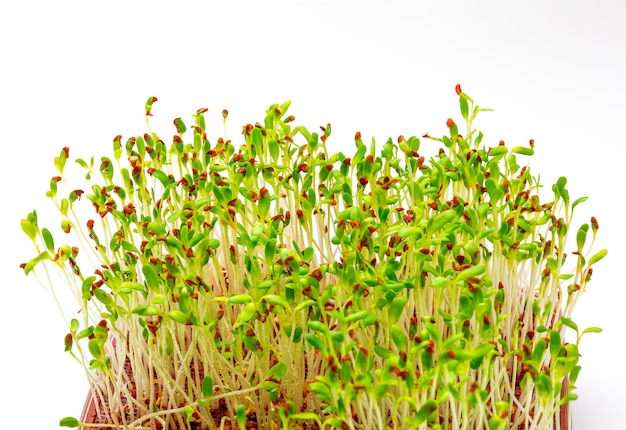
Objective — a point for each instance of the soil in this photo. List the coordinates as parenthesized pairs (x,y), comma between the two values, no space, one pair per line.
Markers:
(93,413)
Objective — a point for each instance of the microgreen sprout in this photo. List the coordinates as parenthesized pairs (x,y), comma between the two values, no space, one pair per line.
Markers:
(277,284)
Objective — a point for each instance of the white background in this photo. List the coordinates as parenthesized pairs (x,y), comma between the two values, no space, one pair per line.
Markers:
(77,73)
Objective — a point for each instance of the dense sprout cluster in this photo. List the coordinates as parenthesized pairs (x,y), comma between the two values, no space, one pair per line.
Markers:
(275,284)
